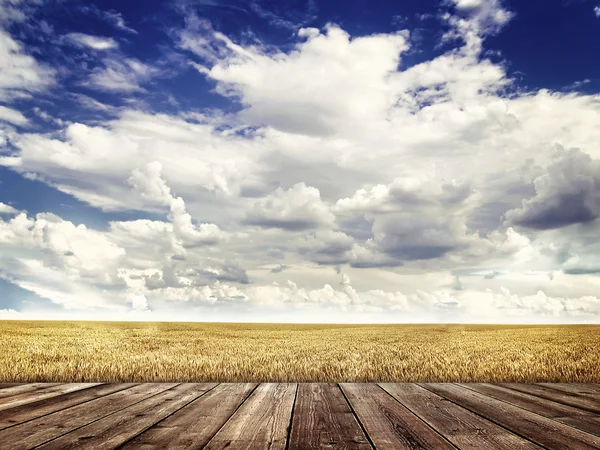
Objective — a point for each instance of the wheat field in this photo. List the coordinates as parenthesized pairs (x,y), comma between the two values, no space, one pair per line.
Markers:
(144,352)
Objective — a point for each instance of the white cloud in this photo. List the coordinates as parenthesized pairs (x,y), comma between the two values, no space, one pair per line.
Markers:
(347,81)
(20,74)
(12,116)
(120,74)
(341,157)
(93,42)
(7,209)
(298,208)
(597,11)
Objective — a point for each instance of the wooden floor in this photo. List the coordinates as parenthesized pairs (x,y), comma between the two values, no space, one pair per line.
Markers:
(299,416)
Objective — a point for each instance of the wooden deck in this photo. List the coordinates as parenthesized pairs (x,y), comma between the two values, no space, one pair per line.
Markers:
(299,416)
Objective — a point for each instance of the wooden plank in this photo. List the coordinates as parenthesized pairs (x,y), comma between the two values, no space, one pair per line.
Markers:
(463,428)
(389,424)
(567,398)
(262,422)
(578,418)
(194,425)
(323,419)
(118,428)
(14,416)
(40,394)
(592,390)
(40,430)
(9,385)
(24,388)
(544,431)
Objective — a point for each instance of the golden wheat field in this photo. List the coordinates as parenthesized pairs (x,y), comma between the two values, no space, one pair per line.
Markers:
(137,352)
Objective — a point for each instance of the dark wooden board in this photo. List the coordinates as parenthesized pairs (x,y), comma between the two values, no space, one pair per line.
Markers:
(544,431)
(463,428)
(567,398)
(262,422)
(194,425)
(389,424)
(116,429)
(19,414)
(323,419)
(43,429)
(578,418)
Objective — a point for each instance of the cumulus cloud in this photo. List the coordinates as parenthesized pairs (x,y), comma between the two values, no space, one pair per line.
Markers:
(567,193)
(342,162)
(274,90)
(297,208)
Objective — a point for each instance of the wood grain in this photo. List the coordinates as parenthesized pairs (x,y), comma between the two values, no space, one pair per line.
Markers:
(262,422)
(46,428)
(323,419)
(194,425)
(33,410)
(41,394)
(9,391)
(567,398)
(544,431)
(389,424)
(114,430)
(575,417)
(463,428)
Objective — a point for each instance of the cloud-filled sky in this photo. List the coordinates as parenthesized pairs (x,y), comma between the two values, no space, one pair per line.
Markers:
(300,161)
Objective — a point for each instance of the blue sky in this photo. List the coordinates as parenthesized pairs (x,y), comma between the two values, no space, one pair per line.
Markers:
(300,160)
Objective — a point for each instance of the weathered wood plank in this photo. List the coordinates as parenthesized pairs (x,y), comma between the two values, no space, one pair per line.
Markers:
(118,428)
(323,419)
(19,414)
(41,394)
(262,422)
(592,390)
(575,417)
(9,385)
(24,388)
(463,428)
(46,428)
(567,398)
(544,431)
(389,424)
(194,425)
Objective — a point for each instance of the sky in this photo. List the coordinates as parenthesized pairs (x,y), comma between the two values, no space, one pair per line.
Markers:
(300,160)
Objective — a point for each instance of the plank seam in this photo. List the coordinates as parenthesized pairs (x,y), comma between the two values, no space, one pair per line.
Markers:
(486,418)
(533,412)
(121,445)
(66,407)
(360,424)
(583,408)
(289,431)
(427,424)
(233,414)
(103,417)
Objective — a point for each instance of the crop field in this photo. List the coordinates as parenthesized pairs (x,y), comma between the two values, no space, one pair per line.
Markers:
(145,352)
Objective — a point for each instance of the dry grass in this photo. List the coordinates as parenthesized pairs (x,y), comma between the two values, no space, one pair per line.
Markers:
(136,352)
